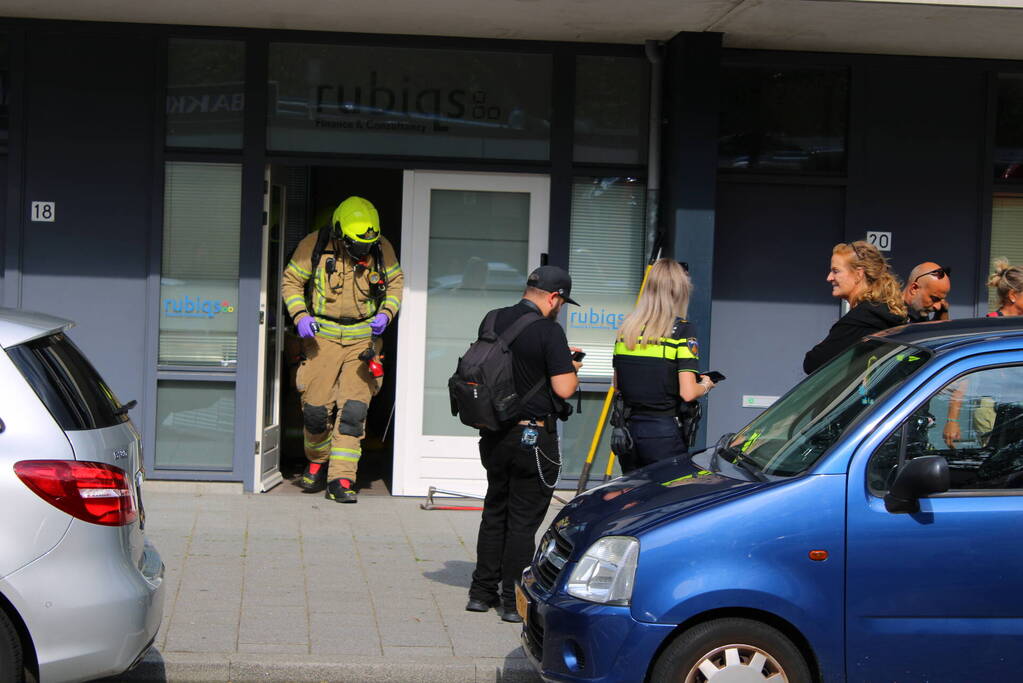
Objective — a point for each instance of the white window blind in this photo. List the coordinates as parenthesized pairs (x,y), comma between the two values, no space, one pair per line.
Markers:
(202,220)
(199,275)
(606,262)
(1006,236)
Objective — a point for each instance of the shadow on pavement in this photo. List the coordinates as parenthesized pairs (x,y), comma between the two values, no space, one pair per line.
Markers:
(150,670)
(455,573)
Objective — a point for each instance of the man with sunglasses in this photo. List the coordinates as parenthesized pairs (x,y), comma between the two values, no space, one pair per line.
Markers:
(926,292)
(342,287)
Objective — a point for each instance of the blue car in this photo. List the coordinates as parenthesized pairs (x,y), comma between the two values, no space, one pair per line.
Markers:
(866,527)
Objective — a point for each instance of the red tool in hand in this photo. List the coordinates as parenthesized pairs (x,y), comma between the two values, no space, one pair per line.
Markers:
(370,356)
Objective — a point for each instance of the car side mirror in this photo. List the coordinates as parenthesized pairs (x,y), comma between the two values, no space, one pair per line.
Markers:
(917,478)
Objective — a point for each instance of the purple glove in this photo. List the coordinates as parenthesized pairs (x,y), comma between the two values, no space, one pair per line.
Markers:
(306,327)
(378,324)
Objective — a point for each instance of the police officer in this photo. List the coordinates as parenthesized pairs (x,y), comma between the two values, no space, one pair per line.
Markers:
(342,288)
(656,366)
(523,460)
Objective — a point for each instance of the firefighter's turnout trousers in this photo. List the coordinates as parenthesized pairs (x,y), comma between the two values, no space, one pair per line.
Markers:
(336,388)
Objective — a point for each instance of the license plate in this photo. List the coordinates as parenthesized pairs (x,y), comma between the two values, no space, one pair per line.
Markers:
(521,603)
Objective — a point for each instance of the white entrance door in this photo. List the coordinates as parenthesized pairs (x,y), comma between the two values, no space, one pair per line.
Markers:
(469,240)
(271,331)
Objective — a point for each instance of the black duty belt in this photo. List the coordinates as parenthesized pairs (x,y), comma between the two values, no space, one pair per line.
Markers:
(664,412)
(344,321)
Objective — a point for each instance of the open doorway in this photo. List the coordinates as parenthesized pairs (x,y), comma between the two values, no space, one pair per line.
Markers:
(312,194)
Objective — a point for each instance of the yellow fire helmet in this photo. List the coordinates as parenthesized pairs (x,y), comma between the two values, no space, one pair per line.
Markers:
(356,221)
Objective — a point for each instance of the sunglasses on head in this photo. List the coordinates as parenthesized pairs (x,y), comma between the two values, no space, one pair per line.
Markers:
(937,272)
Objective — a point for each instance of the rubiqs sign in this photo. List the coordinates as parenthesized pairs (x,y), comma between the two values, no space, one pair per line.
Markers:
(439,106)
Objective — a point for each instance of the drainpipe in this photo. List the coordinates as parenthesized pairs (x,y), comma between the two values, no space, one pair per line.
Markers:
(653,182)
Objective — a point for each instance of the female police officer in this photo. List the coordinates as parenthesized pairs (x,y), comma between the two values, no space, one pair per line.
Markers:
(656,366)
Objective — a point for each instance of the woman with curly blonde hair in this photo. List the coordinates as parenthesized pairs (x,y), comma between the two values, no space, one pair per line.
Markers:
(1008,282)
(860,275)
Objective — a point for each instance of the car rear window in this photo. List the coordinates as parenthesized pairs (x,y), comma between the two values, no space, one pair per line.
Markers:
(67,384)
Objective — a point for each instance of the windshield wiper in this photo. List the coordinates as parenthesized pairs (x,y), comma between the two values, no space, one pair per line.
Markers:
(725,438)
(749,465)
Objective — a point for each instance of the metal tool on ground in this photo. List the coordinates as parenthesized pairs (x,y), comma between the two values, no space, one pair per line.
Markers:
(431,505)
(584,476)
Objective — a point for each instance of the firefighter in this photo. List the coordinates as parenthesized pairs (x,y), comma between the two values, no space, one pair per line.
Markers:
(342,288)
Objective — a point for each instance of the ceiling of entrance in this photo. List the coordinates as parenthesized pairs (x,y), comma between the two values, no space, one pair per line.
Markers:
(961,28)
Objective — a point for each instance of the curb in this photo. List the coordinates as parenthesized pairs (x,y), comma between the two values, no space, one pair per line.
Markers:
(188,667)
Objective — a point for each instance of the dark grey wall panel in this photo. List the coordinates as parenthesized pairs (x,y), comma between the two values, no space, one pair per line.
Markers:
(771,301)
(89,149)
(916,165)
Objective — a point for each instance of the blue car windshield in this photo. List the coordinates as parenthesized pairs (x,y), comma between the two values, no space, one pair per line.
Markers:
(795,432)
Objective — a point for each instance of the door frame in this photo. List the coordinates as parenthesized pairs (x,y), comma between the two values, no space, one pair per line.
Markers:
(268,437)
(459,454)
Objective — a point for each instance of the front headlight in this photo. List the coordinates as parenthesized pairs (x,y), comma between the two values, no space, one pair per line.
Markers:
(606,571)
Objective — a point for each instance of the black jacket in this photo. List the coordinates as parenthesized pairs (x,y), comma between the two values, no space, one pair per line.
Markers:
(867,318)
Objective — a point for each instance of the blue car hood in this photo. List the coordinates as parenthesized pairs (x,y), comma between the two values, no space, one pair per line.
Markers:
(645,498)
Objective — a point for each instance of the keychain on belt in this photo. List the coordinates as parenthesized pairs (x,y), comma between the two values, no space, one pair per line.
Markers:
(530,434)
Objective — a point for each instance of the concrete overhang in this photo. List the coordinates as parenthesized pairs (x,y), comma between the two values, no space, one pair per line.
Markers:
(953,28)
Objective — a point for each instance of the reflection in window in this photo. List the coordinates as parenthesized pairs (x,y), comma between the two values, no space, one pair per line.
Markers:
(606,262)
(205,93)
(577,433)
(975,423)
(783,119)
(1008,153)
(420,102)
(478,261)
(611,104)
(199,274)
(195,425)
(5,91)
(1006,237)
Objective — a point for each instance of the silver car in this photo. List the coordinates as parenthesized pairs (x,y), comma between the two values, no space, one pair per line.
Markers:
(81,590)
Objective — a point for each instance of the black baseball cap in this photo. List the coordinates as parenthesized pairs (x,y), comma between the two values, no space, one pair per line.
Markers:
(552,279)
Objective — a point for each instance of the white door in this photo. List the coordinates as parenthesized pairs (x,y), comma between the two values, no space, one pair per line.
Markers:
(469,240)
(271,334)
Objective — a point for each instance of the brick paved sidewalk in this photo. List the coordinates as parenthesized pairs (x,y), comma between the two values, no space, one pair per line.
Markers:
(286,586)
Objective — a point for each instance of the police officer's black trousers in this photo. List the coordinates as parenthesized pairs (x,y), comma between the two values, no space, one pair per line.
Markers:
(513,510)
(656,437)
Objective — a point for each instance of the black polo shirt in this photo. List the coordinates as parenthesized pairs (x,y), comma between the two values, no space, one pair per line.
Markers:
(540,351)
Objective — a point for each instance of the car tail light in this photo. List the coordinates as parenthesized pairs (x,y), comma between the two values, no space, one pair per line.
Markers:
(91,491)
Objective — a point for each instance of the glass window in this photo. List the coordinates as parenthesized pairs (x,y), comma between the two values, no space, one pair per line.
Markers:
(5,91)
(783,119)
(194,425)
(612,101)
(67,384)
(577,434)
(790,436)
(199,275)
(975,422)
(205,93)
(412,102)
(606,262)
(1006,236)
(478,261)
(1008,154)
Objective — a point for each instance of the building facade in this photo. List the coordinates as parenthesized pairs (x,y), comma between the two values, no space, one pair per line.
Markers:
(158,177)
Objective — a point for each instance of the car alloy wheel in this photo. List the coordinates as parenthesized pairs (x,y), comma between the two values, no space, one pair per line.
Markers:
(731,650)
(736,664)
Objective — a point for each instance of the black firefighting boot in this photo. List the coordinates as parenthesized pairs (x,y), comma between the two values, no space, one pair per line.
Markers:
(340,491)
(314,478)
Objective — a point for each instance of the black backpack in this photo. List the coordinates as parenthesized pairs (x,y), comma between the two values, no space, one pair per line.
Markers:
(482,390)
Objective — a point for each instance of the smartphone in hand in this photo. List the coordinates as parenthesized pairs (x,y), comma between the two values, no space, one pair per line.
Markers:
(578,356)
(715,376)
